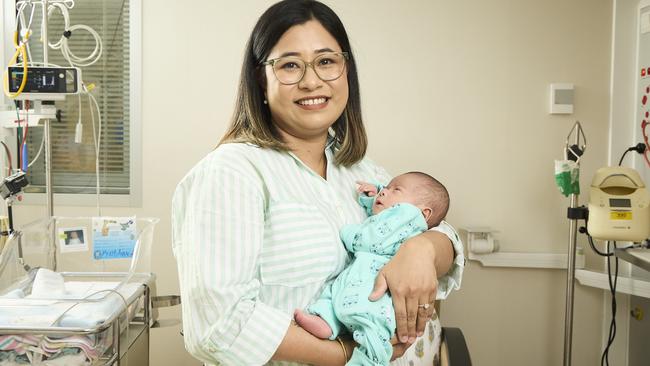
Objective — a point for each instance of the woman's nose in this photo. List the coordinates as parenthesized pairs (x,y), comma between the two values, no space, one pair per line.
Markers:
(310,80)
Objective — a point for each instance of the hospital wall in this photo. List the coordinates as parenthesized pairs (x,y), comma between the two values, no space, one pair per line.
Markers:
(458,89)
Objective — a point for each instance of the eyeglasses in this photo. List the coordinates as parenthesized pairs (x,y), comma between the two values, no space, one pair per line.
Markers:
(290,69)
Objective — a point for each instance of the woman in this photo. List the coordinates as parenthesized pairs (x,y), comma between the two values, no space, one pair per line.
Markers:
(255,223)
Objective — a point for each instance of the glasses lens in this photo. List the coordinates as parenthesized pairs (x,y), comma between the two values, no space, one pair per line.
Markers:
(289,70)
(329,66)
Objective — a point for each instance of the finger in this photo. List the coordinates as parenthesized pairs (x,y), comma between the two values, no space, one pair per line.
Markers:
(423,316)
(400,318)
(380,287)
(411,315)
(394,340)
(399,350)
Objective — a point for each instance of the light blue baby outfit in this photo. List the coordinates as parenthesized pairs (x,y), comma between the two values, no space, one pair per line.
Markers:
(344,302)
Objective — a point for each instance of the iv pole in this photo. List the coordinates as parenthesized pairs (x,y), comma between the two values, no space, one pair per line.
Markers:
(46,128)
(572,152)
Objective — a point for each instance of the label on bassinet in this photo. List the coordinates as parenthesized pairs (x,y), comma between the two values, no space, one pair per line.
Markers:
(113,237)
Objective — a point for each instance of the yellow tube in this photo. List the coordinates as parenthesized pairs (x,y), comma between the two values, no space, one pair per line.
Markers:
(22,51)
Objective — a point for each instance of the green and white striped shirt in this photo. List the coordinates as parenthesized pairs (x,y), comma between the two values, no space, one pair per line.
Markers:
(256,236)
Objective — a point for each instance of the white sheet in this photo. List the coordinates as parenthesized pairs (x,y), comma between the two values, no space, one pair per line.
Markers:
(40,312)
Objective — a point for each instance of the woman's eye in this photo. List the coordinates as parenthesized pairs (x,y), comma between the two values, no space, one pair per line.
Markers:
(289,65)
(326,61)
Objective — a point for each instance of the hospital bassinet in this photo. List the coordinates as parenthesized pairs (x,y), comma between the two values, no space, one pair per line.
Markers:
(99,315)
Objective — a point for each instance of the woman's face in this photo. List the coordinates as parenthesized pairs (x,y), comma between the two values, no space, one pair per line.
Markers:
(307,109)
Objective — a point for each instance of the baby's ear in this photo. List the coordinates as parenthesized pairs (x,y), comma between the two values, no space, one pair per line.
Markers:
(427,212)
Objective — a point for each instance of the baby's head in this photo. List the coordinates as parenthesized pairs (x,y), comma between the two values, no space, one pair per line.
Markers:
(418,189)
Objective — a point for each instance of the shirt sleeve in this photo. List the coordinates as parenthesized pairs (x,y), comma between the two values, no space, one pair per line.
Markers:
(217,233)
(367,202)
(452,280)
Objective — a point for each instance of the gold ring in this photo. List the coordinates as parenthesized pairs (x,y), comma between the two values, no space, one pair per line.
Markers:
(424,306)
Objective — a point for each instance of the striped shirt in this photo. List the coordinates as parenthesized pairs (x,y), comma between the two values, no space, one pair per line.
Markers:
(256,236)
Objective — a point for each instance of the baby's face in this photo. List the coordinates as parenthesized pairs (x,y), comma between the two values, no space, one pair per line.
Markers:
(402,189)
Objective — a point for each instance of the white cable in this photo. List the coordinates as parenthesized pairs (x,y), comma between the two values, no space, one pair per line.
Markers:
(82,61)
(88,299)
(62,43)
(27,27)
(97,137)
(38,154)
(79,127)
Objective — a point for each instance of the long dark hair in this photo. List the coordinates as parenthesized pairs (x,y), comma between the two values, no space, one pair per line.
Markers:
(251,120)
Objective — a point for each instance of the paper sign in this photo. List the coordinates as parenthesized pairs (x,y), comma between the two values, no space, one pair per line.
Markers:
(113,237)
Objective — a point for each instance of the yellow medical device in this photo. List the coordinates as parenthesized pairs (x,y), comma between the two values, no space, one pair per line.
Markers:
(619,206)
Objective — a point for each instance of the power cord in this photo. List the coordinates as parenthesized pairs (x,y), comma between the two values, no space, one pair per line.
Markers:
(639,148)
(613,281)
(604,360)
(612,287)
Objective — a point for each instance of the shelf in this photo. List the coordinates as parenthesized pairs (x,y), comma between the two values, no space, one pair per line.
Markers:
(626,285)
(526,260)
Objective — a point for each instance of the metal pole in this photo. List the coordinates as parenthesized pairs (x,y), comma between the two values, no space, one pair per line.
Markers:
(570,283)
(46,127)
(48,168)
(571,263)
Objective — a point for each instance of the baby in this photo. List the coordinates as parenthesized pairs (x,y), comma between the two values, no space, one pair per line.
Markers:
(410,204)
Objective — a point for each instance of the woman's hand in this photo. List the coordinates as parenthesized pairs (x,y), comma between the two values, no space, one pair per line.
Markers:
(411,277)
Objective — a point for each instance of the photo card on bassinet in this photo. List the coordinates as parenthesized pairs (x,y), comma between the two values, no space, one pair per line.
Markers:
(73,239)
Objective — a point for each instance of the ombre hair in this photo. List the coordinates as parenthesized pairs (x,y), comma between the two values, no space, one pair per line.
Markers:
(251,121)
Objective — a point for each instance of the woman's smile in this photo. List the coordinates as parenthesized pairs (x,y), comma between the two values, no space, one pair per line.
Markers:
(313,103)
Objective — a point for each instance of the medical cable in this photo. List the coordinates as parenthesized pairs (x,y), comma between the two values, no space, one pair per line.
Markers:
(604,360)
(639,148)
(8,152)
(22,52)
(38,154)
(87,297)
(23,147)
(26,25)
(62,43)
(97,138)
(612,325)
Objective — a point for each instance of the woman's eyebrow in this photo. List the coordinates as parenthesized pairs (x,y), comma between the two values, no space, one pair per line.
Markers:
(294,53)
(290,53)
(323,50)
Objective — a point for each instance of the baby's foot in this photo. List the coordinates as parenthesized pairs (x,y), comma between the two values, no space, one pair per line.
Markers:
(314,324)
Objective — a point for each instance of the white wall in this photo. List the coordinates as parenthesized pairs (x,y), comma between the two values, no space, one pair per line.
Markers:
(455,88)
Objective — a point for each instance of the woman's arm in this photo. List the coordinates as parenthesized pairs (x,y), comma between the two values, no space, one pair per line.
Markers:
(218,214)
(412,278)
(299,345)
(218,230)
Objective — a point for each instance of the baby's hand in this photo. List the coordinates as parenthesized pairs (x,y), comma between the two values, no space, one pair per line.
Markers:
(368,189)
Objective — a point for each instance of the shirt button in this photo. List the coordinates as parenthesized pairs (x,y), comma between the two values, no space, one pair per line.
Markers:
(211,349)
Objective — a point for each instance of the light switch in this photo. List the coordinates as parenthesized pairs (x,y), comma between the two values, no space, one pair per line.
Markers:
(561,96)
